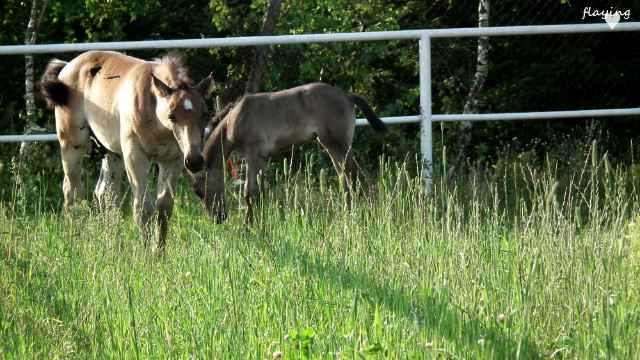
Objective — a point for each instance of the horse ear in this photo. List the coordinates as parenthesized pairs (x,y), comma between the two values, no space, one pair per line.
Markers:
(206,86)
(163,88)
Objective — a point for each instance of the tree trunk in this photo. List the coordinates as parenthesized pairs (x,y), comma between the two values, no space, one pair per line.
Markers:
(30,36)
(471,107)
(260,53)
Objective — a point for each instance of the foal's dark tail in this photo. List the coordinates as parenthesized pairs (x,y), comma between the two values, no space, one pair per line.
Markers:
(376,123)
(53,90)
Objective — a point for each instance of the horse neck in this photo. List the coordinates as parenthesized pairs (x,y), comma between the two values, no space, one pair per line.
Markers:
(218,147)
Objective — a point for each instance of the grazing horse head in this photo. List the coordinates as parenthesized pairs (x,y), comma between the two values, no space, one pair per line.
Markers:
(209,184)
(184,111)
(209,187)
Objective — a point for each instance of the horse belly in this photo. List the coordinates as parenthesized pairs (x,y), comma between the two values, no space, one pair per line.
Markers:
(105,125)
(292,136)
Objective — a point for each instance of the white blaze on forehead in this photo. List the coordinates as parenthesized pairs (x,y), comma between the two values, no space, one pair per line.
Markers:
(188,105)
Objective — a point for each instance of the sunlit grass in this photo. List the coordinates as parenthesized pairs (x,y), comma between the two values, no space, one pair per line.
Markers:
(520,264)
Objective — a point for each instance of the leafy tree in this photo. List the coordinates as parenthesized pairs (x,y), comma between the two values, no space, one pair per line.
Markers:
(550,72)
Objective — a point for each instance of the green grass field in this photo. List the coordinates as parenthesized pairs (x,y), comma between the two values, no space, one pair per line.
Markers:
(519,263)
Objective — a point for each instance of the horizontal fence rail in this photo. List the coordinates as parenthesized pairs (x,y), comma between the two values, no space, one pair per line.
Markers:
(21,138)
(316,38)
(426,118)
(434,118)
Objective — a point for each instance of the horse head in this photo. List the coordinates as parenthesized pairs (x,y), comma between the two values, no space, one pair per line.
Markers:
(208,185)
(184,111)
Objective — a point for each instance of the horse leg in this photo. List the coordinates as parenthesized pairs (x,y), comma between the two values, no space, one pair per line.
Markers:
(73,134)
(255,182)
(167,180)
(136,164)
(345,165)
(353,173)
(109,187)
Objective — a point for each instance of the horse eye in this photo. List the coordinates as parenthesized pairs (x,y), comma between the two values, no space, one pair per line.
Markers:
(172,117)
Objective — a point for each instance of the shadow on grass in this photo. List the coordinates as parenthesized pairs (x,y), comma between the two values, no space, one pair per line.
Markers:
(430,312)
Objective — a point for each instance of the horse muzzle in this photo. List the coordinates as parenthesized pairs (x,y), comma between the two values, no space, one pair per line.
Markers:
(194,162)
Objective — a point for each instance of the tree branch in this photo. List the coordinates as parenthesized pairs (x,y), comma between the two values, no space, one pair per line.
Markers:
(30,37)
(260,53)
(471,107)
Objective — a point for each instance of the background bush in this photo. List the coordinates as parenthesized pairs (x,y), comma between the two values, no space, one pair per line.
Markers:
(526,73)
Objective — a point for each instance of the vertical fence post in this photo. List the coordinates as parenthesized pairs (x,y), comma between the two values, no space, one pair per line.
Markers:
(426,136)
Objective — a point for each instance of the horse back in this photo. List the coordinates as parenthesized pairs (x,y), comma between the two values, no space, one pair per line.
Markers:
(107,88)
(104,70)
(294,116)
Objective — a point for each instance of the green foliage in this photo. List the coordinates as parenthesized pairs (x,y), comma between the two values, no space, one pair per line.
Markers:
(526,73)
(301,343)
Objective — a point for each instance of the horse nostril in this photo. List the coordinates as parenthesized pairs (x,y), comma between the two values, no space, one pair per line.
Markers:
(194,163)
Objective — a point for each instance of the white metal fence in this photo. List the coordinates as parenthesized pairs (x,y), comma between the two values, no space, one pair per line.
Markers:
(423,36)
